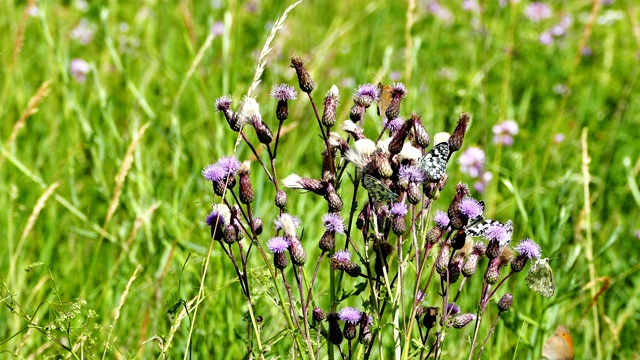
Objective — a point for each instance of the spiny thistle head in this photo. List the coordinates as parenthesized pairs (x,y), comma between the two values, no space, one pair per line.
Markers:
(470,207)
(398,92)
(528,250)
(283,93)
(455,141)
(462,320)
(333,223)
(441,219)
(330,106)
(318,314)
(505,302)
(304,79)
(367,93)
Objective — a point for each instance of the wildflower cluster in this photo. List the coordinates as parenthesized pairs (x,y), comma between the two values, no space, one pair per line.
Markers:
(365,248)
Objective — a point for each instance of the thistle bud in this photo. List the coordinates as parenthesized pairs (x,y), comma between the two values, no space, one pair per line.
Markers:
(454,271)
(471,265)
(298,255)
(334,201)
(462,320)
(519,262)
(229,234)
(397,142)
(353,269)
(505,302)
(246,191)
(278,245)
(318,314)
(414,195)
(433,235)
(493,272)
(357,112)
(304,79)
(398,92)
(330,105)
(283,93)
(256,225)
(442,262)
(365,336)
(419,134)
(493,249)
(223,104)
(382,165)
(263,132)
(281,199)
(349,331)
(219,187)
(455,141)
(327,241)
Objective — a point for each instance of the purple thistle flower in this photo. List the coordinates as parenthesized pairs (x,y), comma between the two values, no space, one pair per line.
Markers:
(283,92)
(440,12)
(229,164)
(441,219)
(334,223)
(537,11)
(470,207)
(393,125)
(223,103)
(497,232)
(412,173)
(546,38)
(528,248)
(452,309)
(399,209)
(350,315)
(558,138)
(214,172)
(399,90)
(472,161)
(342,255)
(485,179)
(368,91)
(278,244)
(217,28)
(215,217)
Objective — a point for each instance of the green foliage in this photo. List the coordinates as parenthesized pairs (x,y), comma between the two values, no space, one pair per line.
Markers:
(491,65)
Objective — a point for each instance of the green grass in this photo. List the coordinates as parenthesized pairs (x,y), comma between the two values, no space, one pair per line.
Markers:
(492,66)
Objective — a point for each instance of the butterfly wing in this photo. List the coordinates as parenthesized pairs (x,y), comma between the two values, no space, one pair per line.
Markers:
(378,190)
(384,100)
(434,163)
(559,346)
(540,278)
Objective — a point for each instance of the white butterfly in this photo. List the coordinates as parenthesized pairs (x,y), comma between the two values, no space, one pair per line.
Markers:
(378,190)
(434,163)
(478,227)
(540,278)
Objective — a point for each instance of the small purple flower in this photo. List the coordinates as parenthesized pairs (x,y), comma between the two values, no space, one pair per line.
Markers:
(440,12)
(485,179)
(342,255)
(214,173)
(393,125)
(558,30)
(537,11)
(368,91)
(528,248)
(441,219)
(503,132)
(586,51)
(546,38)
(470,207)
(558,138)
(283,92)
(452,309)
(497,232)
(420,296)
(412,173)
(334,223)
(79,70)
(350,315)
(399,209)
(223,103)
(472,161)
(215,217)
(278,244)
(84,32)
(217,28)
(229,164)
(471,5)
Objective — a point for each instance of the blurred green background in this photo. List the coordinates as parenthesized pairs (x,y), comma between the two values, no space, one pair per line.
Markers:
(105,176)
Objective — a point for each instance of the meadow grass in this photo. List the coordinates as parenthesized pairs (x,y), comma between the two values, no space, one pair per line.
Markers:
(100,180)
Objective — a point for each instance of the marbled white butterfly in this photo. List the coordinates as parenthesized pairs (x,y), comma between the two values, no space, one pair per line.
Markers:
(434,163)
(378,190)
(540,278)
(478,227)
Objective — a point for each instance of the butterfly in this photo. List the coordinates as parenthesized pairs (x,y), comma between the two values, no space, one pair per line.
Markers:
(540,278)
(434,163)
(378,190)
(384,100)
(478,226)
(559,346)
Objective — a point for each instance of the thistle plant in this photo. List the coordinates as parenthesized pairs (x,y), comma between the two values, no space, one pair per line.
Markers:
(398,254)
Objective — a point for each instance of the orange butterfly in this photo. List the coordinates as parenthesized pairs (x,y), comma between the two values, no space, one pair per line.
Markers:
(385,99)
(559,346)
